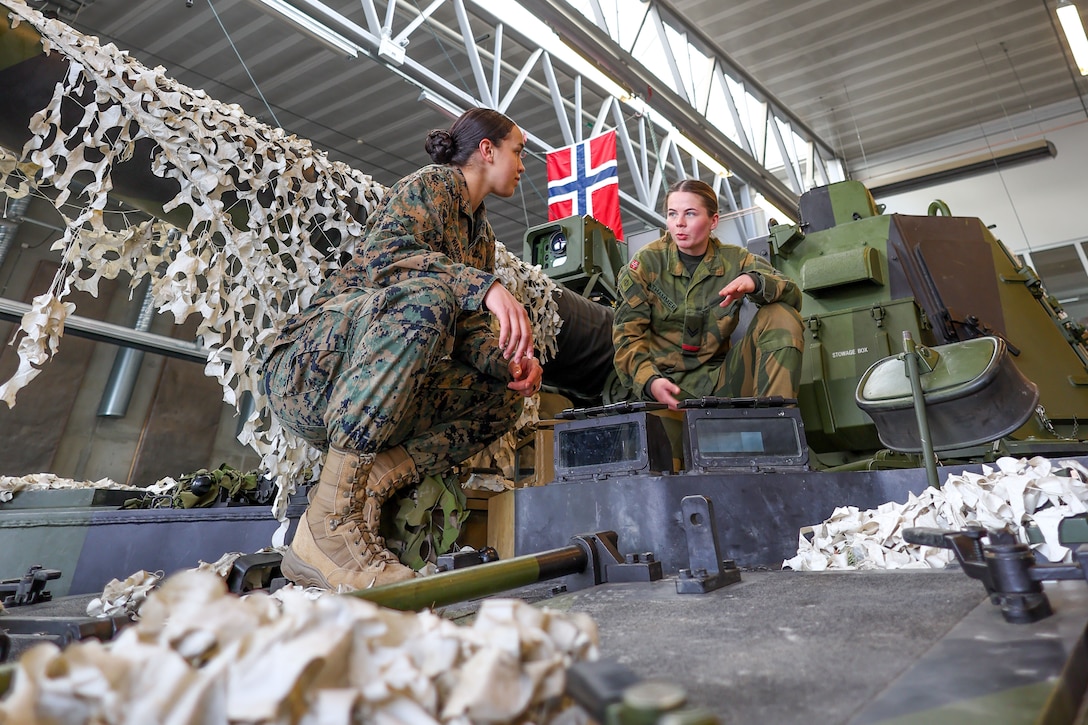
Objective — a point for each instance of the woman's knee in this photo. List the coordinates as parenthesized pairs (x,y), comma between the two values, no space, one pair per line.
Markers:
(295,379)
(777,326)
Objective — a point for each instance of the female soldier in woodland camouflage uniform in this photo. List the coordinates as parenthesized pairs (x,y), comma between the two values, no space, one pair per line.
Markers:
(676,313)
(394,367)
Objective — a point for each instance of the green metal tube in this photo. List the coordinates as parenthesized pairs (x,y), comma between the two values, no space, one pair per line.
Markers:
(910,358)
(477,581)
(7,674)
(455,586)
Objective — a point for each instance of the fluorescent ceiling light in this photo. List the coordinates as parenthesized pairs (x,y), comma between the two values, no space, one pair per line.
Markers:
(702,156)
(681,140)
(1074,33)
(514,15)
(963,167)
(770,211)
(308,25)
(439,104)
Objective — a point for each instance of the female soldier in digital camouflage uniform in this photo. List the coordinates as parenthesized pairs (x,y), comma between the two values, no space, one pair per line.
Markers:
(394,367)
(676,313)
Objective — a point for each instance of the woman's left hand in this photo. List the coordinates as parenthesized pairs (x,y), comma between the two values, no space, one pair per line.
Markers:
(527,374)
(736,289)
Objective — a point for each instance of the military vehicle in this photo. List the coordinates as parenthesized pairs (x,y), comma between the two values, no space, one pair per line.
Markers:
(739,478)
(1003,375)
(866,278)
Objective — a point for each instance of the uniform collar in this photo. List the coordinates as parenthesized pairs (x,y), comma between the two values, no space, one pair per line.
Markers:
(464,203)
(712,260)
(459,188)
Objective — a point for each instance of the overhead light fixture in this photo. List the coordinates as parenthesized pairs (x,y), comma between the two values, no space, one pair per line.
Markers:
(439,104)
(770,211)
(702,156)
(696,151)
(1074,33)
(965,167)
(514,15)
(308,25)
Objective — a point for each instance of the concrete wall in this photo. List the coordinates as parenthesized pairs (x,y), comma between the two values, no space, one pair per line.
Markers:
(1032,206)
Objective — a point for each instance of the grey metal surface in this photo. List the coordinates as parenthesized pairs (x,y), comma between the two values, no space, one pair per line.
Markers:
(758,515)
(838,647)
(902,647)
(1027,673)
(60,621)
(116,334)
(127,362)
(92,545)
(779,647)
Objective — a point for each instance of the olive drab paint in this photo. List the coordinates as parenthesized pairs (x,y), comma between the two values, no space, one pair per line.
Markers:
(866,277)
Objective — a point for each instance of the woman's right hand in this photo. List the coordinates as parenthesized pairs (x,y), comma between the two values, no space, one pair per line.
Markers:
(665,391)
(515,331)
(527,376)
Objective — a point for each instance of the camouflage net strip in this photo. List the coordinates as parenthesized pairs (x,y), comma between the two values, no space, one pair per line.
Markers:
(263,205)
(11,485)
(1015,493)
(200,655)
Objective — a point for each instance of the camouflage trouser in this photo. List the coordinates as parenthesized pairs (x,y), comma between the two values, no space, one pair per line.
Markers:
(370,370)
(767,360)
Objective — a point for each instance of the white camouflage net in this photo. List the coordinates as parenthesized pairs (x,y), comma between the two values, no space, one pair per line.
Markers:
(200,655)
(11,485)
(263,205)
(1016,493)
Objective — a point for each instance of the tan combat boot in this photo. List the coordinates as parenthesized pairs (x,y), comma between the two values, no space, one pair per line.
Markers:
(337,545)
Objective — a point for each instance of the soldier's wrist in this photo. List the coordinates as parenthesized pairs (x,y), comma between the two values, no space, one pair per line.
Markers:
(647,392)
(757,278)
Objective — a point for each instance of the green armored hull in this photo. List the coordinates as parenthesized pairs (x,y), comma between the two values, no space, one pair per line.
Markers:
(868,277)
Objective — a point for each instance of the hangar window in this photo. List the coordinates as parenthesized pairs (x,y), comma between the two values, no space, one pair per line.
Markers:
(1064,271)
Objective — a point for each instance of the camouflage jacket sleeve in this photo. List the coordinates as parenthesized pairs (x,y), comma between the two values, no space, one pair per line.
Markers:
(478,346)
(772,286)
(631,333)
(669,321)
(425,227)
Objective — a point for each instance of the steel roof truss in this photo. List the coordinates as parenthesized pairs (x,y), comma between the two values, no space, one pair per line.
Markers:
(647,191)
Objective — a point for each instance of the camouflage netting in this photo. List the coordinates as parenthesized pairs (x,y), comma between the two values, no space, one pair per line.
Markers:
(1012,495)
(264,206)
(200,655)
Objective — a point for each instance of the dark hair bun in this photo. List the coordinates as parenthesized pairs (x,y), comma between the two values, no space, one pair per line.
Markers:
(440,146)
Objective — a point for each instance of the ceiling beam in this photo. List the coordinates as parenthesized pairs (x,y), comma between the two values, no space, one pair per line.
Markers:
(596,46)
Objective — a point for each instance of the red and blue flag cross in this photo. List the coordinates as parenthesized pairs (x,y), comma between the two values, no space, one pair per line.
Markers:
(583,179)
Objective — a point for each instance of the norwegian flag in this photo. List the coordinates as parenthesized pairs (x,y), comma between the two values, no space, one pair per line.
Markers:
(582,180)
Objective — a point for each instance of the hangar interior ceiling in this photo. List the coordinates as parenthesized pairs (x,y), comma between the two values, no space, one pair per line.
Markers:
(867,79)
